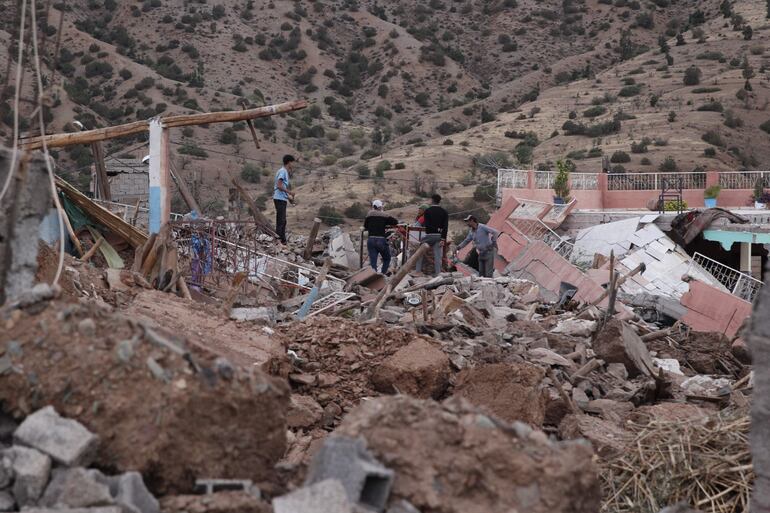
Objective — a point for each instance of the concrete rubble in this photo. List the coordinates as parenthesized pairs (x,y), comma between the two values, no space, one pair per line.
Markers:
(394,394)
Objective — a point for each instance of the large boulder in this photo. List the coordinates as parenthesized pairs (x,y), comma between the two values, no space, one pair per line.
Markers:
(419,369)
(450,458)
(510,391)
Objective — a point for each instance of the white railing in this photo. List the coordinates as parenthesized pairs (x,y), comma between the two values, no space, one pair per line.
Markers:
(512,179)
(654,181)
(535,229)
(739,284)
(131,212)
(743,179)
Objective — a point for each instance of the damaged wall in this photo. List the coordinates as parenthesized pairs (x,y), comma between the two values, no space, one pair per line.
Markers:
(21,212)
(710,309)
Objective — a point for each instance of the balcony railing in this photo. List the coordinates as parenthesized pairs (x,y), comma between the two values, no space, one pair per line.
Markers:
(739,284)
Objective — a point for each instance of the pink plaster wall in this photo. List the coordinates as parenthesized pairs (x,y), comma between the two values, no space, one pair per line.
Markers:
(710,309)
(602,198)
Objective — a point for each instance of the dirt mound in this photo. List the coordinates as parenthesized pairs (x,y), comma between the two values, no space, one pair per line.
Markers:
(78,279)
(174,418)
(337,358)
(207,327)
(508,391)
(703,352)
(419,369)
(450,458)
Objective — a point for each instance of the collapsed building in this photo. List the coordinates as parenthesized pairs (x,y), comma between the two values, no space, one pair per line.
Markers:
(201,366)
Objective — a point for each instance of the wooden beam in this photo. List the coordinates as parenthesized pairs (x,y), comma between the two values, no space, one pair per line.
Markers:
(185,192)
(259,217)
(98,213)
(102,134)
(102,180)
(311,239)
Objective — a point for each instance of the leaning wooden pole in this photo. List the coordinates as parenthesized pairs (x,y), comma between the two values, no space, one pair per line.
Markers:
(137,127)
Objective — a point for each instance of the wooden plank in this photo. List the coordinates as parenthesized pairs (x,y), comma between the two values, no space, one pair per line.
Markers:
(103,216)
(311,239)
(259,217)
(102,134)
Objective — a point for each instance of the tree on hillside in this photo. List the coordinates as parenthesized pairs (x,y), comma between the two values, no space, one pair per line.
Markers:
(692,76)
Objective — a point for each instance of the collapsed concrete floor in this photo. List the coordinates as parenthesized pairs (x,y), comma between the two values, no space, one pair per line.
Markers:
(488,398)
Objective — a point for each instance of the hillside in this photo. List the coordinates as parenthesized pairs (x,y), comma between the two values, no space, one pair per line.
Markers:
(425,86)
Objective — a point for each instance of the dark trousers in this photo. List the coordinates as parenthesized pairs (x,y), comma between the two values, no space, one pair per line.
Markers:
(280,219)
(378,246)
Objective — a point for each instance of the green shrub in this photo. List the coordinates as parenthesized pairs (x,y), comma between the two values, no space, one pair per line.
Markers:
(714,138)
(595,111)
(190,148)
(357,210)
(363,171)
(330,216)
(712,106)
(765,126)
(669,165)
(400,165)
(692,76)
(630,90)
(620,157)
(675,206)
(251,173)
(710,152)
(485,192)
(383,166)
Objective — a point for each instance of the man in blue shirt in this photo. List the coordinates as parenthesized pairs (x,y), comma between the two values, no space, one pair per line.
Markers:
(282,195)
(485,239)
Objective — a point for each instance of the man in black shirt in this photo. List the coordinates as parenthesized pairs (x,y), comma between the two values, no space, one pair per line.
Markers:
(375,223)
(436,230)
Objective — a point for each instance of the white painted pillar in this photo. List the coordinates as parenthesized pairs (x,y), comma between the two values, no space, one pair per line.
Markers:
(160,199)
(746,258)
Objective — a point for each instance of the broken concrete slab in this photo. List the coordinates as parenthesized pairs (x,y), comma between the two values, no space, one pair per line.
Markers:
(618,343)
(7,502)
(366,481)
(419,369)
(341,249)
(75,488)
(67,441)
(264,314)
(509,391)
(322,497)
(575,327)
(31,469)
(129,492)
(367,277)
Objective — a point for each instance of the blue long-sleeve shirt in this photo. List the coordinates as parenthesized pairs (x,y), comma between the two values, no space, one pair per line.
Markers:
(483,237)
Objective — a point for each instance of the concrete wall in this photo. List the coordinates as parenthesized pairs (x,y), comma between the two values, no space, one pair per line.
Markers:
(602,198)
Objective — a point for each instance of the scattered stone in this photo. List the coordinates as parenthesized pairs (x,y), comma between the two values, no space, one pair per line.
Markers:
(366,480)
(322,497)
(124,351)
(130,492)
(87,327)
(700,385)
(221,502)
(6,471)
(102,509)
(75,488)
(618,343)
(575,327)
(304,412)
(403,506)
(509,391)
(157,370)
(31,469)
(669,365)
(67,441)
(419,369)
(548,357)
(607,438)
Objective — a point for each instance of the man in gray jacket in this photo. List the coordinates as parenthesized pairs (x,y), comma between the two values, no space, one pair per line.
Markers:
(485,239)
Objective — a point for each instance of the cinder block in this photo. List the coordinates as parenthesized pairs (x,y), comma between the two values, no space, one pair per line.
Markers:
(31,469)
(67,441)
(75,488)
(323,497)
(366,480)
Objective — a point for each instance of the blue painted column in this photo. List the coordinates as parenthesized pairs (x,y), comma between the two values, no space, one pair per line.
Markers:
(160,200)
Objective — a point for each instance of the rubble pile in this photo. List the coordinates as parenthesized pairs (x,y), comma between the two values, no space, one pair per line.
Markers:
(157,404)
(45,471)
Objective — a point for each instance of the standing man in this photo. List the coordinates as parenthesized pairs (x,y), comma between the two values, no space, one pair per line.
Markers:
(282,195)
(436,229)
(377,244)
(485,239)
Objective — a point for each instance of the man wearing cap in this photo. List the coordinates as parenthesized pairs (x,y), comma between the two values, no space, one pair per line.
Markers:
(485,239)
(282,195)
(377,244)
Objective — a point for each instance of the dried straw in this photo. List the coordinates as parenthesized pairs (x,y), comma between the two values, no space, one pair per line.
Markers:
(703,463)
